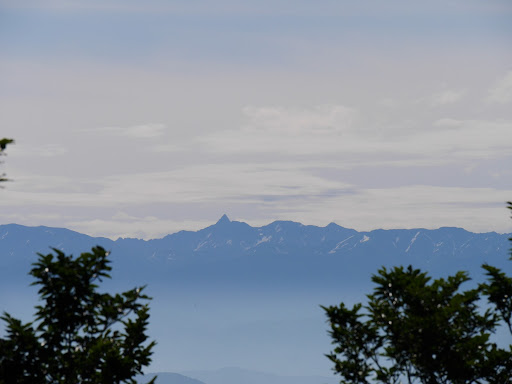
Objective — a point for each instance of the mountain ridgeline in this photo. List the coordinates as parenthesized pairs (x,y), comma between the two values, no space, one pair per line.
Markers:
(235,295)
(273,253)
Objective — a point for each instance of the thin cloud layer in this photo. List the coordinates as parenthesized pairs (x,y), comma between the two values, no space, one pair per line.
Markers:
(169,115)
(146,131)
(334,130)
(359,208)
(501,92)
(287,130)
(447,97)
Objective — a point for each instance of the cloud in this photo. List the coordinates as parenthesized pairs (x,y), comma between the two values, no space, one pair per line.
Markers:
(476,209)
(337,133)
(286,130)
(43,150)
(448,123)
(189,184)
(447,97)
(322,119)
(152,204)
(146,131)
(220,182)
(466,139)
(388,102)
(168,148)
(501,92)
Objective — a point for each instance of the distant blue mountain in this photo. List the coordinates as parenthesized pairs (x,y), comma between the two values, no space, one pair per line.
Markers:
(235,295)
(168,378)
(235,375)
(282,249)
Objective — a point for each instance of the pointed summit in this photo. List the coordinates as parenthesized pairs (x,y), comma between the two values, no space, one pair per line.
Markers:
(224,220)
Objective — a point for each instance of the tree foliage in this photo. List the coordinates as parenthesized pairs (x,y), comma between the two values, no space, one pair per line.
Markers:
(417,330)
(79,335)
(3,144)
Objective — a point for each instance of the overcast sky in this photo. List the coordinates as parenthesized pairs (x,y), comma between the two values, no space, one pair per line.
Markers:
(142,118)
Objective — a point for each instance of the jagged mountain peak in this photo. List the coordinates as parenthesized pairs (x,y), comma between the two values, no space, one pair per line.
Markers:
(223,220)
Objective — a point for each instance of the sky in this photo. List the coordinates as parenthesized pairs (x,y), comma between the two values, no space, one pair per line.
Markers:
(143,118)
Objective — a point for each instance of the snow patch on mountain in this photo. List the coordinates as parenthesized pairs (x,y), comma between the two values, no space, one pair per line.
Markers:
(200,245)
(364,239)
(341,244)
(412,241)
(264,239)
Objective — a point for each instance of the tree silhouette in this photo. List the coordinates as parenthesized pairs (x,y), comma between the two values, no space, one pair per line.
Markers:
(3,144)
(417,330)
(79,335)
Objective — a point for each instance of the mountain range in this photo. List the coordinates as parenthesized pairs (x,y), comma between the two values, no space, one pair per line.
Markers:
(281,244)
(167,378)
(236,295)
(233,375)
